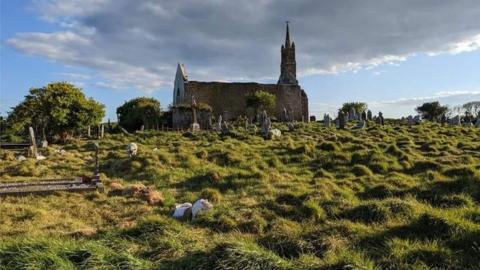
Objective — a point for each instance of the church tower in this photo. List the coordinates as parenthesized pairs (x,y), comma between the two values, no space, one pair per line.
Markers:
(288,67)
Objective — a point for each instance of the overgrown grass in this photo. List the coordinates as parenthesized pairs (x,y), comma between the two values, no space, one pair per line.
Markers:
(387,197)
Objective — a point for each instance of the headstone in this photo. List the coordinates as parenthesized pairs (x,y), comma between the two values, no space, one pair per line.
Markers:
(341,120)
(219,123)
(417,119)
(369,115)
(326,120)
(410,120)
(291,126)
(443,119)
(142,128)
(225,128)
(477,123)
(44,144)
(285,115)
(360,124)
(364,115)
(33,142)
(89,131)
(195,126)
(313,118)
(266,126)
(102,131)
(95,169)
(380,118)
(352,115)
(455,121)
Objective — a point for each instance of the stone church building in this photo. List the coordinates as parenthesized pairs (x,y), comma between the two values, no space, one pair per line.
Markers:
(229,99)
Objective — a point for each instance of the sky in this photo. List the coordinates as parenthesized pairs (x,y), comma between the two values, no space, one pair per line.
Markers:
(393,55)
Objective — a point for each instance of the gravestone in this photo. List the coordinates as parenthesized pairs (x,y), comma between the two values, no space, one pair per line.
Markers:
(326,120)
(443,119)
(380,118)
(417,119)
(477,123)
(364,116)
(291,126)
(285,115)
(219,123)
(369,115)
(195,126)
(266,125)
(352,114)
(455,121)
(410,121)
(313,118)
(360,124)
(341,120)
(89,131)
(102,131)
(44,144)
(33,143)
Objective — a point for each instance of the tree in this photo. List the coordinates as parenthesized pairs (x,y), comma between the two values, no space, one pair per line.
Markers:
(473,108)
(56,110)
(261,100)
(138,112)
(358,106)
(431,110)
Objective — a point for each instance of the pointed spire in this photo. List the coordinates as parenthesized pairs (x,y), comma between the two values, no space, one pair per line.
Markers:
(287,38)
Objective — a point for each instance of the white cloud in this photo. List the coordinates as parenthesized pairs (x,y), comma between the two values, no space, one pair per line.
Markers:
(443,95)
(132,44)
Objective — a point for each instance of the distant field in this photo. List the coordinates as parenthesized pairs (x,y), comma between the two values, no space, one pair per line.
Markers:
(380,198)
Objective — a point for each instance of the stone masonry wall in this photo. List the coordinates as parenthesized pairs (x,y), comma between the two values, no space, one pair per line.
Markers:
(228,99)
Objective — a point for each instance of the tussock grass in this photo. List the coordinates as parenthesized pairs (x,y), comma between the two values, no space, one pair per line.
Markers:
(388,197)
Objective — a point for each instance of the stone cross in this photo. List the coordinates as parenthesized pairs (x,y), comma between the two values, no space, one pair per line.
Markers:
(33,142)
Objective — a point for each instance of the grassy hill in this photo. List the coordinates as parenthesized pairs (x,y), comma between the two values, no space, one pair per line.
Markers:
(380,198)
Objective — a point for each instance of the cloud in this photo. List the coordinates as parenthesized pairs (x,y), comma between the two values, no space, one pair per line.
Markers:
(443,95)
(133,44)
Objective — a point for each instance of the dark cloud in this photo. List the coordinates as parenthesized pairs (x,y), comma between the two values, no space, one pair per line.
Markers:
(138,43)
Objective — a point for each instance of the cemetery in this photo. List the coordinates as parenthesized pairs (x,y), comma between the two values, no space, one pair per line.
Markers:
(249,194)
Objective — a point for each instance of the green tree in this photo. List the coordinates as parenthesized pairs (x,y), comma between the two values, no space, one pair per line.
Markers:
(261,100)
(358,106)
(57,110)
(431,110)
(139,111)
(472,107)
